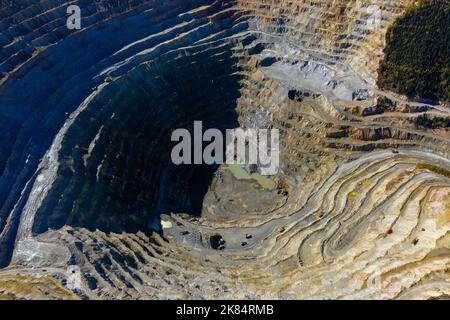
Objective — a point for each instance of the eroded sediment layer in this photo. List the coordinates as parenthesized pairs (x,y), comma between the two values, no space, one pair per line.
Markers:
(86,153)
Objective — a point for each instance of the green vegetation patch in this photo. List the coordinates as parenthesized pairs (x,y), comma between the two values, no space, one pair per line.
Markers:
(417,53)
(213,183)
(434,168)
(432,123)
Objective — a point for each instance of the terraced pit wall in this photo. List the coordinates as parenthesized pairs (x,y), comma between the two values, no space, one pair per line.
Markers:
(86,183)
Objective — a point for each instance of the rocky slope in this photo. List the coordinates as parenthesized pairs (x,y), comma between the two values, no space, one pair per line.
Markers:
(86,181)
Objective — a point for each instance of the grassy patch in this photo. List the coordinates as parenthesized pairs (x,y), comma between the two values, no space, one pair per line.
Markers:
(213,183)
(436,169)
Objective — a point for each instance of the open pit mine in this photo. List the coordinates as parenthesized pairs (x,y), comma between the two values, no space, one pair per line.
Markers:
(93,207)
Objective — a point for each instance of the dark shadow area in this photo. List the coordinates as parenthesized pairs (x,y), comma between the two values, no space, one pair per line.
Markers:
(116,172)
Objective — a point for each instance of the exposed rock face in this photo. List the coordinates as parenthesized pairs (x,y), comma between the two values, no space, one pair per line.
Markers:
(86,179)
